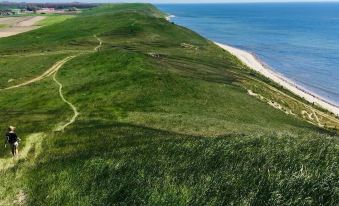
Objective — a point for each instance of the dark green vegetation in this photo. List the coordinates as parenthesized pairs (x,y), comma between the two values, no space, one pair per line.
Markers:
(165,120)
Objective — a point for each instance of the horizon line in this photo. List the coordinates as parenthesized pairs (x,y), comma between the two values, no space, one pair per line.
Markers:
(155,3)
(245,2)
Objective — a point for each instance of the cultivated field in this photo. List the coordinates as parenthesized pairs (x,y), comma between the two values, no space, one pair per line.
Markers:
(17,25)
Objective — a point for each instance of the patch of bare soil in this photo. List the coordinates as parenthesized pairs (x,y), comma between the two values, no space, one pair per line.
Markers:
(17,25)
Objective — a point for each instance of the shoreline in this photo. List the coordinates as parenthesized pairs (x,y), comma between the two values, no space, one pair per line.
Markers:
(251,61)
(169,17)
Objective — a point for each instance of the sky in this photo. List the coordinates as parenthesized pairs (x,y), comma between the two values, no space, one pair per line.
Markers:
(174,1)
(218,1)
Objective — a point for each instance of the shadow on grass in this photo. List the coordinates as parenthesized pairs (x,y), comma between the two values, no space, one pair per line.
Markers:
(102,163)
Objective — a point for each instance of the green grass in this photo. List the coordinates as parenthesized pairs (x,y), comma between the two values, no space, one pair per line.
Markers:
(54,19)
(176,128)
(17,69)
(130,165)
(35,108)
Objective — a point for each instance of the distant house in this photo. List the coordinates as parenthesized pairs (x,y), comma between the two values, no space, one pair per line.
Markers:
(16,11)
(46,11)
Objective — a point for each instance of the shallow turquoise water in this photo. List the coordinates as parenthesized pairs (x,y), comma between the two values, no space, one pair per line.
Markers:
(298,40)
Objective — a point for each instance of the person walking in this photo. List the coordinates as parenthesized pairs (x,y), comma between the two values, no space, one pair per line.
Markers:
(13,140)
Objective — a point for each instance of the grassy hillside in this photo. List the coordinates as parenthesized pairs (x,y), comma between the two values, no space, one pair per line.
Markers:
(54,19)
(165,119)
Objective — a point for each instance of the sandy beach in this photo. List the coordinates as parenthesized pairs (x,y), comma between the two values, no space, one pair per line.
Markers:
(17,25)
(169,17)
(251,61)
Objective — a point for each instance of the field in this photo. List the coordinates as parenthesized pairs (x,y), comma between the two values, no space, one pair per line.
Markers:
(54,19)
(16,25)
(165,119)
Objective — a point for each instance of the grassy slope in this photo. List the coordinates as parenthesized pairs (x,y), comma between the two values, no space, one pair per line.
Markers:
(54,19)
(175,129)
(13,72)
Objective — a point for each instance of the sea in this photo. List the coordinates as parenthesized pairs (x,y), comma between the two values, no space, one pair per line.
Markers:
(300,41)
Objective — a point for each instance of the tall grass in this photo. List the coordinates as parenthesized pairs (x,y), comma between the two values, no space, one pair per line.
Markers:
(133,165)
(164,120)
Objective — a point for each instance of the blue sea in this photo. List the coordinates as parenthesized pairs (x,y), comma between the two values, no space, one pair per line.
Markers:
(298,40)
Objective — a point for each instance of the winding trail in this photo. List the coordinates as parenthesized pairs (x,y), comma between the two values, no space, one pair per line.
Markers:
(54,69)
(74,108)
(97,48)
(46,74)
(34,140)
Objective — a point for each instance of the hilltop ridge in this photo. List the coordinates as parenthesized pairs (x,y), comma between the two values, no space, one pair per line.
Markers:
(165,117)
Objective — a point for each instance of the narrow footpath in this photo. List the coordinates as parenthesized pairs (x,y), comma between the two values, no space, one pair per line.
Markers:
(46,74)
(75,110)
(34,140)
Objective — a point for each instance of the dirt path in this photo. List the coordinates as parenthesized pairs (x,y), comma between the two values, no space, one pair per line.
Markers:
(33,141)
(32,147)
(313,110)
(47,73)
(75,110)
(53,71)
(97,48)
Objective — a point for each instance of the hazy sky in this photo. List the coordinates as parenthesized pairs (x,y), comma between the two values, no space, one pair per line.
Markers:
(176,1)
(222,1)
